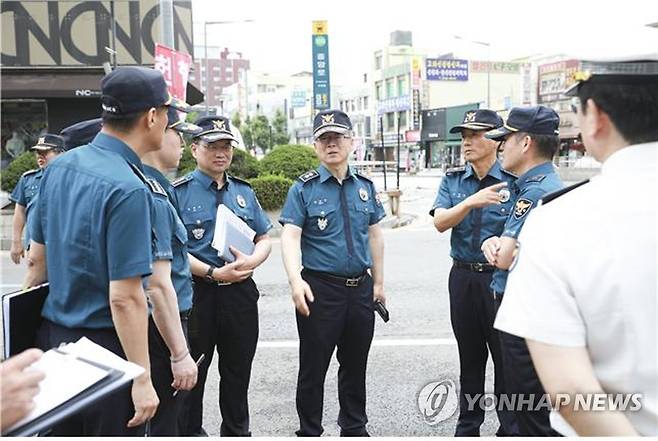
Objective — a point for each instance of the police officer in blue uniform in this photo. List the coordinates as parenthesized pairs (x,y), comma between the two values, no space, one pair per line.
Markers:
(225,309)
(94,231)
(475,201)
(331,214)
(46,149)
(81,133)
(529,142)
(172,367)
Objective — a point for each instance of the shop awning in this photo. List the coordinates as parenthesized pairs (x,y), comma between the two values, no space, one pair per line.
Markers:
(51,84)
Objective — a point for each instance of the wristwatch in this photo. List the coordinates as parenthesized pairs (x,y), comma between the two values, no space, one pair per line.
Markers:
(208,275)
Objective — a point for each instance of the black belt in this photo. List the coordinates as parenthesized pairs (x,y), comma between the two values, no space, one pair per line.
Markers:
(476,267)
(210,282)
(345,281)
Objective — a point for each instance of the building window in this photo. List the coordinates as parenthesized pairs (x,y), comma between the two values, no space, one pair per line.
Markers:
(390,121)
(390,88)
(403,119)
(365,102)
(359,103)
(402,85)
(378,61)
(353,105)
(378,91)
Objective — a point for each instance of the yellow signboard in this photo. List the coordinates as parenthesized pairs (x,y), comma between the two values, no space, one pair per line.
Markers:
(320,27)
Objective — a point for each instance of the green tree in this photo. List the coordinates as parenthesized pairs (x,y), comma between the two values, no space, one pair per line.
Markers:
(10,176)
(246,133)
(260,132)
(236,121)
(280,129)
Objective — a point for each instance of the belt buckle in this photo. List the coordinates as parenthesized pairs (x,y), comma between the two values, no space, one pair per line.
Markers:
(478,267)
(352,282)
(223,283)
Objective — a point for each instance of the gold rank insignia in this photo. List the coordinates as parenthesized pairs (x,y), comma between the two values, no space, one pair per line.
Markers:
(327,119)
(522,207)
(219,124)
(469,117)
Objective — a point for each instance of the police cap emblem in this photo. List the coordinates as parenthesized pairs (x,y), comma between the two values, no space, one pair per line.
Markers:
(219,124)
(327,119)
(469,117)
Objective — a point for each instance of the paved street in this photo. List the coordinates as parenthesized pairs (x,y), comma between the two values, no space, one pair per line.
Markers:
(416,347)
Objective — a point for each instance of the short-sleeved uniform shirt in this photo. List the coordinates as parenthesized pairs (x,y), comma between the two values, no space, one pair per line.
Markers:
(170,238)
(480,223)
(26,190)
(586,276)
(94,217)
(334,219)
(198,199)
(527,190)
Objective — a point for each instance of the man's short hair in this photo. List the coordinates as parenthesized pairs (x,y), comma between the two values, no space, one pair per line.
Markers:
(632,108)
(547,145)
(124,123)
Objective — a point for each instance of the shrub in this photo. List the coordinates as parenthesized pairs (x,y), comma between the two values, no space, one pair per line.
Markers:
(10,176)
(271,190)
(243,165)
(289,161)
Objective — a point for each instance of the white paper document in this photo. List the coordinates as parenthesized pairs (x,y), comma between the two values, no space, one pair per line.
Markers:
(230,230)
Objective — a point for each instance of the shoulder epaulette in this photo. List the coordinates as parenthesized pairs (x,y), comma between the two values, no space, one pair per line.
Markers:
(30,172)
(556,194)
(309,175)
(155,187)
(536,178)
(364,177)
(242,181)
(152,184)
(456,170)
(182,180)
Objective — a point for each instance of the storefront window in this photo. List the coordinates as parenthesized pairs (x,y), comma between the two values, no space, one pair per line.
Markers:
(23,121)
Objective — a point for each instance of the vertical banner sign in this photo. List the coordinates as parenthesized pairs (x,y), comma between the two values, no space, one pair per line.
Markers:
(415,92)
(321,88)
(175,66)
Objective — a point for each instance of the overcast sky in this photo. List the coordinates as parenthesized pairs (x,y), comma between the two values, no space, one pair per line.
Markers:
(279,38)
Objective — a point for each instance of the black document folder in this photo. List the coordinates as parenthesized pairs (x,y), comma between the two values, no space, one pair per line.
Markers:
(21,318)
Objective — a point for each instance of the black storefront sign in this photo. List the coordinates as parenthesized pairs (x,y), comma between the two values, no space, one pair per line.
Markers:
(433,125)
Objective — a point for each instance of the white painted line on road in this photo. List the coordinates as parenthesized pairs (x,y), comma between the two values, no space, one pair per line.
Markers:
(378,342)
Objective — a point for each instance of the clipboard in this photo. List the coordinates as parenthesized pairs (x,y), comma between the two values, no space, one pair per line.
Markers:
(21,318)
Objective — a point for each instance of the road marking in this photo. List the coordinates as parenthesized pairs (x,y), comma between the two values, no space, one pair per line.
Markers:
(377,342)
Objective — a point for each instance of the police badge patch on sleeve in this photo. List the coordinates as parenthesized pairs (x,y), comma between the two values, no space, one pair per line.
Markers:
(522,207)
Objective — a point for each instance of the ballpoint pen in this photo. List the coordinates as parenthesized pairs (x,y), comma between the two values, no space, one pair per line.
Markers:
(198,363)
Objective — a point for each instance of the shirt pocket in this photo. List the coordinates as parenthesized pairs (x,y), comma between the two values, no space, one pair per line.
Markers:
(322,219)
(362,211)
(197,224)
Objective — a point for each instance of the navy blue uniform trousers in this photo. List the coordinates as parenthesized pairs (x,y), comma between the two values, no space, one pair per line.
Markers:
(224,318)
(340,317)
(472,313)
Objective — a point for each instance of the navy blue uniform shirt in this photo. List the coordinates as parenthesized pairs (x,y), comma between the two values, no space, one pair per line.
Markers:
(334,219)
(198,199)
(480,223)
(528,189)
(94,216)
(170,240)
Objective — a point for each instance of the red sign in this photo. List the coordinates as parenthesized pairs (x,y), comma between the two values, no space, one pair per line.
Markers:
(175,66)
(412,136)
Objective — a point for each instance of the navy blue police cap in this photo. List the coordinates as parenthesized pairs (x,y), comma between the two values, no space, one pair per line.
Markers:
(81,133)
(174,122)
(481,119)
(537,120)
(335,121)
(213,128)
(49,141)
(132,89)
